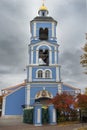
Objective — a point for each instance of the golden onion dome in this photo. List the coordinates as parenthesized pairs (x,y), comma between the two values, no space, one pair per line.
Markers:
(43,8)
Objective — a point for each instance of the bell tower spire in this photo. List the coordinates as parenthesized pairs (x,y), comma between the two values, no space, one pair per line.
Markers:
(43,11)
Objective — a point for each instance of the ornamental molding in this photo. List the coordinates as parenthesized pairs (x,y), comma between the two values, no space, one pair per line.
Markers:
(44,43)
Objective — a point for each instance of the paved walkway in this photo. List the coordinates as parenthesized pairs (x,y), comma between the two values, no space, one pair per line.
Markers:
(17,124)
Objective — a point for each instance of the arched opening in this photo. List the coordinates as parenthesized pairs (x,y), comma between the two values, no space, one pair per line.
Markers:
(43,34)
(40,74)
(44,57)
(47,74)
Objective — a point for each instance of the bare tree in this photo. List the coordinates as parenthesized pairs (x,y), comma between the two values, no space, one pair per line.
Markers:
(84,57)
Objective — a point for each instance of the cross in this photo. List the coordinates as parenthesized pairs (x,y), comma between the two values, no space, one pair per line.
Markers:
(43,1)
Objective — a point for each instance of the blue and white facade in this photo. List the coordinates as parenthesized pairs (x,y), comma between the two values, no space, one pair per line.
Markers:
(43,71)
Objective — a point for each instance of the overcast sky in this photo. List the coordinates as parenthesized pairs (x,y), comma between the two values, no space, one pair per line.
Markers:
(15,17)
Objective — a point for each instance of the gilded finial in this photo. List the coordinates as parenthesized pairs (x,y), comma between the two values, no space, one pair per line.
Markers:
(43,1)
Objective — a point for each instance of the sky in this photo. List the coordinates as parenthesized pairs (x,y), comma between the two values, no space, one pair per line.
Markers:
(15,17)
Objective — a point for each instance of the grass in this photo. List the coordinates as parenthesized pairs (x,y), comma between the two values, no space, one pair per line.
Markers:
(83,128)
(68,123)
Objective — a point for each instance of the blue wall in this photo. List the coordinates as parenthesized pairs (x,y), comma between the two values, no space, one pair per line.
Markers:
(34,69)
(14,102)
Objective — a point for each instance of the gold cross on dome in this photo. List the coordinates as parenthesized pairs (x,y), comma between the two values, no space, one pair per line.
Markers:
(43,1)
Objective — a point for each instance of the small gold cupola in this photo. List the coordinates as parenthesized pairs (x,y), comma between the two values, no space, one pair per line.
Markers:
(43,7)
(43,11)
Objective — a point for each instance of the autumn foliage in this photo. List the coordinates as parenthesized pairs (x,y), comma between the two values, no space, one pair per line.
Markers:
(82,101)
(63,102)
(66,102)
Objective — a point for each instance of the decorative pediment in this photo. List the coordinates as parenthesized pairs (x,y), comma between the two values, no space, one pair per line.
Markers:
(44,43)
(43,94)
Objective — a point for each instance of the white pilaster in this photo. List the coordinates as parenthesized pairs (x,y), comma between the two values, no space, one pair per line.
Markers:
(50,57)
(54,115)
(55,55)
(57,74)
(30,74)
(28,95)
(29,53)
(60,88)
(52,29)
(37,57)
(35,29)
(32,55)
(39,116)
(3,106)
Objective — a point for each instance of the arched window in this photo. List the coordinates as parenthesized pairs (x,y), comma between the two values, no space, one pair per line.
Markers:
(40,74)
(43,34)
(44,57)
(47,74)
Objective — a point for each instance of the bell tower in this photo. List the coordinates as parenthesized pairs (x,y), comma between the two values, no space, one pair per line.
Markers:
(43,70)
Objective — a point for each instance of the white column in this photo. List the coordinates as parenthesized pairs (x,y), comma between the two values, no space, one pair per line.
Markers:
(29,53)
(55,55)
(32,55)
(50,56)
(37,57)
(52,29)
(54,115)
(3,106)
(30,74)
(39,115)
(59,88)
(34,29)
(57,74)
(28,95)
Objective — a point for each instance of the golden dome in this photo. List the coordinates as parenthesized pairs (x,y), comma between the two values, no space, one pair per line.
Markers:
(43,7)
(43,94)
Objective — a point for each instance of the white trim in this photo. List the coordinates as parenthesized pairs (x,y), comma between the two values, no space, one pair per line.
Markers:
(44,80)
(55,55)
(54,115)
(50,57)
(39,115)
(51,65)
(44,43)
(28,95)
(29,53)
(60,88)
(3,106)
(52,29)
(57,74)
(34,29)
(30,74)
(37,58)
(32,55)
